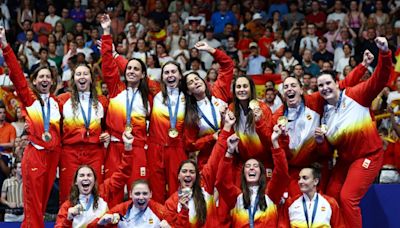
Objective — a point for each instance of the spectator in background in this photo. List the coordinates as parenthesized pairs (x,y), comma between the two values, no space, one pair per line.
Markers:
(21,37)
(196,67)
(172,41)
(4,15)
(265,42)
(162,54)
(294,15)
(308,65)
(181,55)
(256,27)
(179,7)
(195,17)
(322,55)
(52,18)
(271,99)
(159,14)
(344,61)
(26,11)
(223,37)
(338,15)
(288,61)
(66,21)
(156,32)
(223,16)
(92,43)
(354,18)
(153,68)
(253,63)
(140,51)
(370,44)
(278,46)
(7,132)
(317,17)
(42,29)
(11,195)
(30,48)
(212,42)
(19,125)
(331,35)
(233,52)
(90,21)
(194,35)
(310,41)
(77,13)
(244,42)
(44,60)
(80,42)
(135,21)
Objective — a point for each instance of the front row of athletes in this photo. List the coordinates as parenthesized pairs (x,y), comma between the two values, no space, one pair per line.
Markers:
(195,204)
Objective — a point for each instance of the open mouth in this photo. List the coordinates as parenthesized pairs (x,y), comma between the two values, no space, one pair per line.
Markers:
(291,96)
(86,186)
(252,174)
(45,84)
(141,202)
(187,181)
(171,80)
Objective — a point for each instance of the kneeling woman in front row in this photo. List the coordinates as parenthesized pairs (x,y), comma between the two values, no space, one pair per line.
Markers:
(254,204)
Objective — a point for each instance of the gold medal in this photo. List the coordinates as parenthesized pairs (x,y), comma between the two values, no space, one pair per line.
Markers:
(128,128)
(115,219)
(173,133)
(46,136)
(282,120)
(324,128)
(253,104)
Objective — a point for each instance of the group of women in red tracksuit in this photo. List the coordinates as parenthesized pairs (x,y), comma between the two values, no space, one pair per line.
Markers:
(247,160)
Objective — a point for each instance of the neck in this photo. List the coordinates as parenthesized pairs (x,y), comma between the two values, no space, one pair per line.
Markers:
(2,122)
(334,100)
(133,85)
(200,97)
(245,105)
(311,194)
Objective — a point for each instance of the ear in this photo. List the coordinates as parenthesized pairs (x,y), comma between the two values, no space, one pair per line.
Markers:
(316,181)
(34,82)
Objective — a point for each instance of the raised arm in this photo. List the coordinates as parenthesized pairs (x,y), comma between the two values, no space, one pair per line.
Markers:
(226,188)
(109,67)
(222,86)
(209,171)
(15,72)
(117,181)
(365,92)
(354,77)
(280,176)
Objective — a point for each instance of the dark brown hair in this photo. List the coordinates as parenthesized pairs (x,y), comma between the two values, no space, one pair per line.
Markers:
(191,114)
(163,85)
(33,77)
(198,197)
(74,192)
(250,122)
(74,89)
(262,184)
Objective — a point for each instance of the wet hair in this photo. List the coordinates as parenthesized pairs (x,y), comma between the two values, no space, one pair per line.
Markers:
(262,184)
(330,73)
(75,93)
(33,77)
(198,197)
(191,113)
(140,181)
(143,86)
(315,171)
(74,192)
(163,85)
(250,122)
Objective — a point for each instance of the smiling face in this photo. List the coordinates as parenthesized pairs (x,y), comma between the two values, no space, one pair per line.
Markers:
(43,81)
(85,180)
(83,78)
(307,182)
(195,85)
(242,89)
(187,175)
(141,195)
(252,171)
(292,92)
(171,75)
(328,88)
(134,73)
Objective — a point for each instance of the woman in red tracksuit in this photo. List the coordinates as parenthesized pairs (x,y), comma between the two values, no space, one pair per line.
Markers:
(303,113)
(194,205)
(128,108)
(144,211)
(82,112)
(88,201)
(351,130)
(253,126)
(204,105)
(255,203)
(41,156)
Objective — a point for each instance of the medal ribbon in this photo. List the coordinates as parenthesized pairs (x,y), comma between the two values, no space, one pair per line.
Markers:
(324,118)
(252,212)
(172,118)
(214,115)
(129,105)
(46,117)
(87,120)
(314,211)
